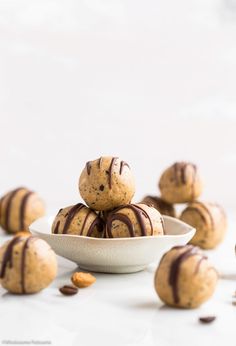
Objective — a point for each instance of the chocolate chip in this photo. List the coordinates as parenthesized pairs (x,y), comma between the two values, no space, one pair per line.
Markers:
(68,290)
(207,319)
(101,187)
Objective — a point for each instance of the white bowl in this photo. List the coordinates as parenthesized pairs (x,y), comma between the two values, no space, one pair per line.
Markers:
(116,255)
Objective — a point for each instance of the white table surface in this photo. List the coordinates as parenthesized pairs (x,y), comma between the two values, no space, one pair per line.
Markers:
(150,81)
(121,310)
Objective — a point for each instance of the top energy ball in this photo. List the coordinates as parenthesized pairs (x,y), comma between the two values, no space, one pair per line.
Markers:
(180,183)
(106,183)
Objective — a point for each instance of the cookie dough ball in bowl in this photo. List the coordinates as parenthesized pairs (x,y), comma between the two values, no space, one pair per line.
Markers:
(134,220)
(27,265)
(78,220)
(163,207)
(180,183)
(210,222)
(106,183)
(185,278)
(19,208)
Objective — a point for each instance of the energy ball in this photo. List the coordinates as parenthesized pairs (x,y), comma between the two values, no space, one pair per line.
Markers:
(185,278)
(19,208)
(78,220)
(134,220)
(163,207)
(27,265)
(106,183)
(180,183)
(210,222)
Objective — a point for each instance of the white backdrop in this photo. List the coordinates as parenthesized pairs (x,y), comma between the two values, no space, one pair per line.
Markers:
(150,81)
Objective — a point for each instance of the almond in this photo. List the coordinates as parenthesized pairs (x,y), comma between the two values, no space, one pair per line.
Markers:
(82,280)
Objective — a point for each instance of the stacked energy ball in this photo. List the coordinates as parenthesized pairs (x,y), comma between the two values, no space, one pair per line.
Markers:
(181,183)
(107,187)
(19,208)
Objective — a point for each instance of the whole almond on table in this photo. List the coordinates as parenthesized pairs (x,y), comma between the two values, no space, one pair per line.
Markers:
(82,280)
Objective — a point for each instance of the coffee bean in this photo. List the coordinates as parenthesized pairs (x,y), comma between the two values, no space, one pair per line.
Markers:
(207,319)
(68,290)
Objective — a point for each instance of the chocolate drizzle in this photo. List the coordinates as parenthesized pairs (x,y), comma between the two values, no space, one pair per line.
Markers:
(175,268)
(195,210)
(97,222)
(122,164)
(199,207)
(8,255)
(8,208)
(203,258)
(71,214)
(180,173)
(8,258)
(56,229)
(193,180)
(140,219)
(110,171)
(85,220)
(119,217)
(100,162)
(23,261)
(88,167)
(139,213)
(22,209)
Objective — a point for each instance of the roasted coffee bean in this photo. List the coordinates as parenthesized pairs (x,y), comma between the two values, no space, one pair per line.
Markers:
(207,319)
(68,290)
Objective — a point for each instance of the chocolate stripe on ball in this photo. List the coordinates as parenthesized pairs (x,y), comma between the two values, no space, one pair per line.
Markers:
(113,161)
(96,223)
(122,165)
(193,179)
(7,257)
(85,220)
(71,214)
(23,261)
(180,169)
(8,208)
(203,258)
(138,211)
(88,167)
(100,162)
(110,169)
(23,207)
(175,268)
(119,217)
(56,229)
(180,174)
(200,207)
(143,212)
